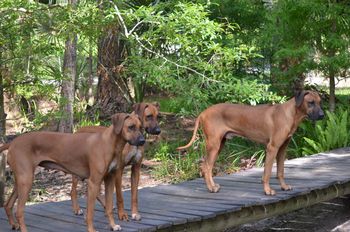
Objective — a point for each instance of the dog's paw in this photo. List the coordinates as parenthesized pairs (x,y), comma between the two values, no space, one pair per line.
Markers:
(214,189)
(123,216)
(286,187)
(136,217)
(116,228)
(270,192)
(15,226)
(79,212)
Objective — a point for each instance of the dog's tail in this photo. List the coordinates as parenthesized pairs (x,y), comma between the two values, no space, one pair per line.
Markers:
(4,147)
(196,125)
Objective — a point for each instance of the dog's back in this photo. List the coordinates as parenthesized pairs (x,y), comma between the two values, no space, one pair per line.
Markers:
(45,148)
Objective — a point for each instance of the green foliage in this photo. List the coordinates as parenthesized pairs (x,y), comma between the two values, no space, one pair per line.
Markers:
(239,148)
(32,40)
(173,166)
(303,36)
(329,134)
(84,120)
(40,120)
(192,56)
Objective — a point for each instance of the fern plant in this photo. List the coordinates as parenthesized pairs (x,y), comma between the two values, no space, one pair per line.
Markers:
(330,134)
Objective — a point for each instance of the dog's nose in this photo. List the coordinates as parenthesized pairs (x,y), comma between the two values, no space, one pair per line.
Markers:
(157,131)
(321,114)
(141,140)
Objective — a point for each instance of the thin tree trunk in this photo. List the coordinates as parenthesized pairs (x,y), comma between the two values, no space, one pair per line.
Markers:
(332,75)
(331,92)
(112,90)
(67,90)
(89,93)
(2,139)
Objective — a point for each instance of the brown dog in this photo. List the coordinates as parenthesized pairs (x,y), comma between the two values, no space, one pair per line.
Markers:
(85,155)
(272,125)
(131,155)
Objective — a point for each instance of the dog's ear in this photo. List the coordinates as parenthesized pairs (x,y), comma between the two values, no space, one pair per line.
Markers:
(299,97)
(157,105)
(139,108)
(136,107)
(118,122)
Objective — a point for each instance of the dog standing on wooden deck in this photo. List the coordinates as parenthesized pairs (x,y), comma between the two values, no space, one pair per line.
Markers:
(131,155)
(85,155)
(272,125)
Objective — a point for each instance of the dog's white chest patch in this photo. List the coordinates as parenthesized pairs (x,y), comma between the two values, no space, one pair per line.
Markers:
(133,156)
(112,165)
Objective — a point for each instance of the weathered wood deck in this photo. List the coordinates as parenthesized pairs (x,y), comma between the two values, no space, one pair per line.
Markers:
(189,206)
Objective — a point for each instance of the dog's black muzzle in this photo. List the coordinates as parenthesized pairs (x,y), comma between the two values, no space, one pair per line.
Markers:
(138,142)
(153,131)
(316,115)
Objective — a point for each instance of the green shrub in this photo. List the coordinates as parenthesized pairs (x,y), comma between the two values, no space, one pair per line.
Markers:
(329,134)
(173,166)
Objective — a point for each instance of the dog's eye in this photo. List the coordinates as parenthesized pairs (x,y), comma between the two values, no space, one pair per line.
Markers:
(132,127)
(311,103)
(149,117)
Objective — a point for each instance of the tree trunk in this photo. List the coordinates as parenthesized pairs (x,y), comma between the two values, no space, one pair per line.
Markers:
(139,91)
(2,139)
(67,90)
(89,92)
(331,92)
(332,73)
(112,90)
(299,82)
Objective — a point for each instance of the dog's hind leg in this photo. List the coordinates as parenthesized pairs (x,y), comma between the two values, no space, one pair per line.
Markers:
(9,208)
(74,197)
(213,147)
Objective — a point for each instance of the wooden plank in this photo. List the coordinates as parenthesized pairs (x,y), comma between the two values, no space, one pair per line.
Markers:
(61,213)
(34,219)
(6,228)
(175,204)
(300,185)
(163,211)
(159,200)
(305,176)
(254,213)
(144,225)
(151,222)
(257,188)
(224,195)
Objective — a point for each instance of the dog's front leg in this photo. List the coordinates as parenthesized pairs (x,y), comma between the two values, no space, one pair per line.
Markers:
(122,215)
(271,152)
(135,177)
(280,165)
(93,189)
(109,187)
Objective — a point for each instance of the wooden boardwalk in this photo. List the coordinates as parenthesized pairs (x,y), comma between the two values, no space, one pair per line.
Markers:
(189,206)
